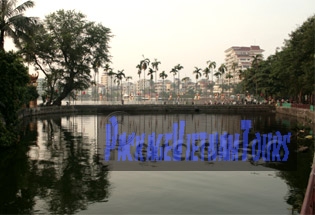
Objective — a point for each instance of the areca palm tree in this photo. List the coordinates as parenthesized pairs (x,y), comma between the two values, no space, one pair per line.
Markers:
(256,59)
(144,65)
(106,69)
(178,67)
(206,73)
(13,23)
(197,74)
(163,75)
(174,72)
(110,73)
(151,72)
(185,80)
(127,80)
(211,65)
(139,74)
(155,66)
(118,78)
(229,76)
(222,70)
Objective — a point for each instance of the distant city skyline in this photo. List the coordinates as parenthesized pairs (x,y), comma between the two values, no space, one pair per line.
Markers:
(186,32)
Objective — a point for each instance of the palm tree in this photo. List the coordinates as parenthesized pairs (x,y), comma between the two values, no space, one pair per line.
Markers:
(13,23)
(222,70)
(174,71)
(163,75)
(178,67)
(110,73)
(185,80)
(211,65)
(139,73)
(229,76)
(127,79)
(151,72)
(197,74)
(118,78)
(206,73)
(155,66)
(144,65)
(106,69)
(255,62)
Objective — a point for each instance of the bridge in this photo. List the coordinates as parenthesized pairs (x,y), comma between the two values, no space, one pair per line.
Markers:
(148,108)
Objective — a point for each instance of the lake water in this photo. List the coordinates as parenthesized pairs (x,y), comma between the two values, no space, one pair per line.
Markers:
(60,169)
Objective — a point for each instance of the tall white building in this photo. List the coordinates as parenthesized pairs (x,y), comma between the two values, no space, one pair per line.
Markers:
(242,57)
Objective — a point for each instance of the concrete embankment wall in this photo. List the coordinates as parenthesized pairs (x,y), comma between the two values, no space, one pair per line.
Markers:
(142,109)
(303,115)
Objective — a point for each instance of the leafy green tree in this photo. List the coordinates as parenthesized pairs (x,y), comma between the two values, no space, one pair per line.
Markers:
(13,23)
(66,48)
(15,92)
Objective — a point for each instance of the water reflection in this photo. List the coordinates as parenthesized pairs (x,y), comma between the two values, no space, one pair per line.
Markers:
(55,170)
(58,169)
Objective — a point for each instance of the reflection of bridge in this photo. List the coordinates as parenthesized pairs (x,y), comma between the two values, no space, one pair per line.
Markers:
(308,206)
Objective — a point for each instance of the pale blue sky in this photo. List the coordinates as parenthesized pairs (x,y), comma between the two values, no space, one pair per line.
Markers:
(186,32)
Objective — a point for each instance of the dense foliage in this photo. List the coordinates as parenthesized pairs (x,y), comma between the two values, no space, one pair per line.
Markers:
(66,47)
(13,23)
(289,73)
(15,92)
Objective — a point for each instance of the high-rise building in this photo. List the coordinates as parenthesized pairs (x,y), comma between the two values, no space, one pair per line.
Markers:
(240,58)
(105,80)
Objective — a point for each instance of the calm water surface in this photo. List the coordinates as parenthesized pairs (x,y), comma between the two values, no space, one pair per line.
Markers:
(59,170)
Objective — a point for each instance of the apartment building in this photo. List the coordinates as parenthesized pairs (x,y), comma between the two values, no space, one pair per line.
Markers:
(241,57)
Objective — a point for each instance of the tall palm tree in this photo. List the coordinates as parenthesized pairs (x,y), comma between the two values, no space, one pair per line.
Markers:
(106,69)
(185,80)
(206,73)
(163,75)
(139,74)
(197,74)
(127,80)
(151,72)
(13,23)
(256,59)
(118,78)
(155,66)
(229,76)
(211,65)
(178,67)
(222,70)
(144,65)
(110,73)
(174,72)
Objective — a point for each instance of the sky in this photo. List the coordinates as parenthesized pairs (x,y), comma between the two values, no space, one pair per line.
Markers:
(186,32)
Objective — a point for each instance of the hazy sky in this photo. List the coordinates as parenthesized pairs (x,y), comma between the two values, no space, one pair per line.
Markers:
(186,32)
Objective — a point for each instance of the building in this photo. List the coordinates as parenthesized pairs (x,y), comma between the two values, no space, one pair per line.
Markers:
(105,80)
(241,57)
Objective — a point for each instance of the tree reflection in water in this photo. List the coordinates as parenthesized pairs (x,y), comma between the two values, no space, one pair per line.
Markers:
(62,175)
(58,171)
